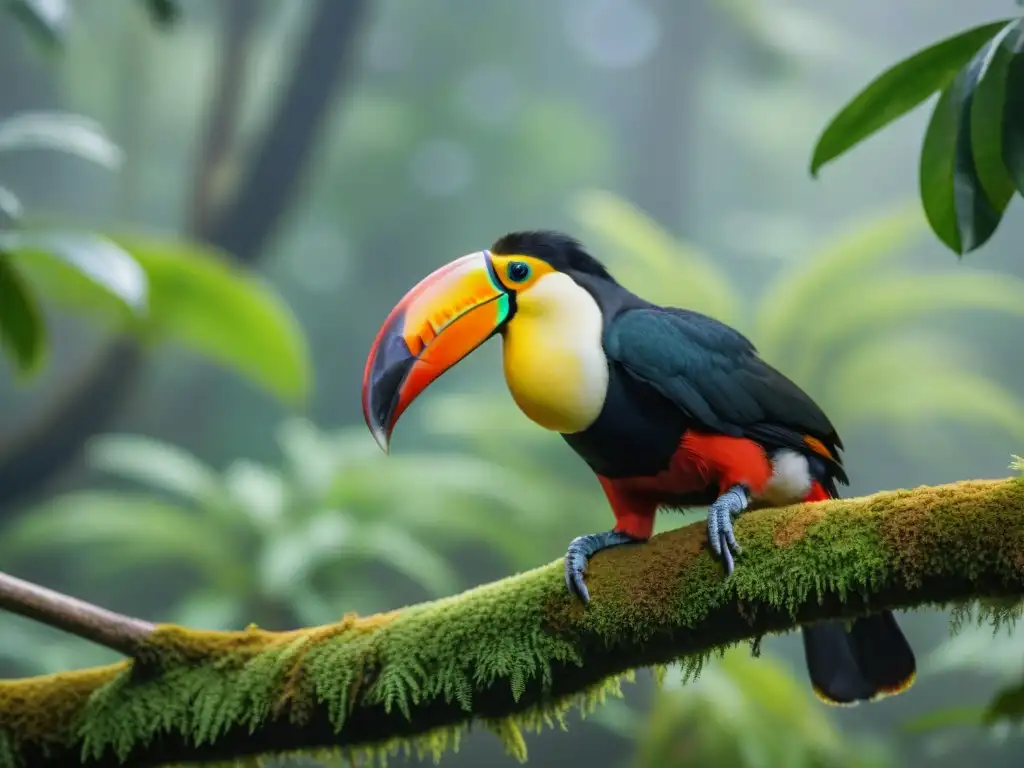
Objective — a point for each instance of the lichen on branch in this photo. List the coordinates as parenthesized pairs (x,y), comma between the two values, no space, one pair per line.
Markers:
(518,653)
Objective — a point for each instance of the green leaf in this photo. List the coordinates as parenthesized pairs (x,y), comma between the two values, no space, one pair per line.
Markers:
(22,332)
(226,313)
(60,131)
(200,300)
(898,90)
(956,206)
(156,464)
(987,116)
(1008,704)
(104,263)
(1013,115)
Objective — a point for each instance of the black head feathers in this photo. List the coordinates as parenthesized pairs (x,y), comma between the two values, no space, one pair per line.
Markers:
(564,253)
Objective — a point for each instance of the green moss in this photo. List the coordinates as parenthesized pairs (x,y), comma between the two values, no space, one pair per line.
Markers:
(518,654)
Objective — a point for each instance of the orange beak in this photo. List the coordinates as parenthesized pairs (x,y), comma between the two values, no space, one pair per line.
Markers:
(442,319)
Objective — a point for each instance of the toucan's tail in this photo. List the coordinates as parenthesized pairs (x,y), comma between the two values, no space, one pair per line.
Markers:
(870,660)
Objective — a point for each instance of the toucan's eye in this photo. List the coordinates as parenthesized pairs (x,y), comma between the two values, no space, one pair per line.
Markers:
(518,271)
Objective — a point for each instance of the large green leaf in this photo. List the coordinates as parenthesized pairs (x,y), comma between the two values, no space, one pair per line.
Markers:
(198,299)
(1013,114)
(987,116)
(22,332)
(61,131)
(96,258)
(957,207)
(898,90)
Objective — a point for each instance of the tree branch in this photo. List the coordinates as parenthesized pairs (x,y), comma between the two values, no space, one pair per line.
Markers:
(31,458)
(517,652)
(90,622)
(327,55)
(225,106)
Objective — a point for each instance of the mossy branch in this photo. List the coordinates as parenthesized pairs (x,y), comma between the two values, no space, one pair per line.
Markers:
(519,652)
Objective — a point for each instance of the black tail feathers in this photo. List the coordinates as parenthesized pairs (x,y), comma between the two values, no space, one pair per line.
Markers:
(869,661)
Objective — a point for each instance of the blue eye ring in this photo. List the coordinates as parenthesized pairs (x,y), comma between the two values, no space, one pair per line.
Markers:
(518,271)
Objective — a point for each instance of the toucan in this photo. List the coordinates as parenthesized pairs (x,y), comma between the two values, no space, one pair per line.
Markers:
(669,407)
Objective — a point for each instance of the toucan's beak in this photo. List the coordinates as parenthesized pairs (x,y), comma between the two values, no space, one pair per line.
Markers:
(442,319)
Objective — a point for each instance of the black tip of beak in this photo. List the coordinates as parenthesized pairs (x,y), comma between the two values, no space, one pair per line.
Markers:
(390,366)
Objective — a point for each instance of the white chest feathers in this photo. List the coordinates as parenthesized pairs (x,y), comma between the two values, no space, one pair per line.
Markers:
(791,479)
(554,362)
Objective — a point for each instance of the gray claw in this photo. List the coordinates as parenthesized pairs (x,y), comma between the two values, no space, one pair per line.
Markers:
(581,549)
(575,568)
(721,536)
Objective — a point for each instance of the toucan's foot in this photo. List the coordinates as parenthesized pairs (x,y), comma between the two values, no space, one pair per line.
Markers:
(581,549)
(720,534)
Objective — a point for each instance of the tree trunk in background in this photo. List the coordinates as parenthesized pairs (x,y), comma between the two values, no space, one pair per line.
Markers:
(657,106)
(267,187)
(240,21)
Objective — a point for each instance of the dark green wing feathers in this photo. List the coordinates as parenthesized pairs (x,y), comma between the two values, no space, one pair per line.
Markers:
(714,375)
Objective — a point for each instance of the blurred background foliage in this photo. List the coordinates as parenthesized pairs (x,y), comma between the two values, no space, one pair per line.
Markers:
(241,189)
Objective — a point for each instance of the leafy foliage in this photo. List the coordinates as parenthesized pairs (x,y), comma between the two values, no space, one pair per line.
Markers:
(275,544)
(984,646)
(107,268)
(972,156)
(21,328)
(198,300)
(158,288)
(746,712)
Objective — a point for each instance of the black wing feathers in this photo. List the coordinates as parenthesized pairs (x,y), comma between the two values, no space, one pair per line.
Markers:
(714,375)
